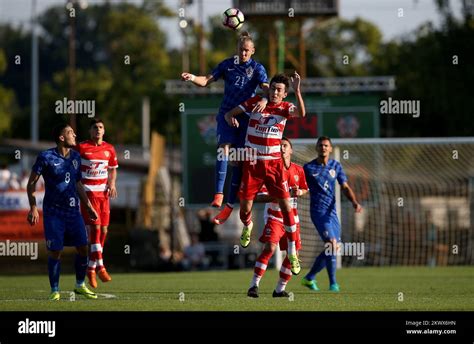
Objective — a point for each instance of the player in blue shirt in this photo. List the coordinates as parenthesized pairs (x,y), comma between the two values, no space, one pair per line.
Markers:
(242,75)
(321,175)
(62,220)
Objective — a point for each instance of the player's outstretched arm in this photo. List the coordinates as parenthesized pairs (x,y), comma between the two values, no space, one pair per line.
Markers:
(33,214)
(300,110)
(346,189)
(85,200)
(230,116)
(199,80)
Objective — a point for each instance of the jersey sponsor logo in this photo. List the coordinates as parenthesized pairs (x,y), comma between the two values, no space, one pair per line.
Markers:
(249,72)
(332,173)
(230,69)
(267,120)
(315,174)
(57,164)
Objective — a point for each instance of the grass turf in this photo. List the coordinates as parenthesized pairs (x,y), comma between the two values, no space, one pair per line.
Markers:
(362,289)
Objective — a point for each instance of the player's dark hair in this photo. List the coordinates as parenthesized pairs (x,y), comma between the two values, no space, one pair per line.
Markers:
(323,138)
(281,79)
(94,121)
(57,131)
(287,140)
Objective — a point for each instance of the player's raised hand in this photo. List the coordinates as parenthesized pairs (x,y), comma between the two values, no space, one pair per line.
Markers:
(357,207)
(295,81)
(33,216)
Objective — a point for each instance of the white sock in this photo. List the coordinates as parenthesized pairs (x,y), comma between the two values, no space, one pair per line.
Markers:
(291,248)
(255,280)
(281,285)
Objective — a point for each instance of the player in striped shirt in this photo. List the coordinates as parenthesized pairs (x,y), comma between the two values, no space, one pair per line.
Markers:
(264,133)
(62,221)
(242,75)
(99,172)
(274,232)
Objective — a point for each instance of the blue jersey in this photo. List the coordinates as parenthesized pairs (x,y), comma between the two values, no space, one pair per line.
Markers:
(60,175)
(322,185)
(241,81)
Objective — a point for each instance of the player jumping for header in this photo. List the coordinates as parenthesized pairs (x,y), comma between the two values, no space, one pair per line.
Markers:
(264,133)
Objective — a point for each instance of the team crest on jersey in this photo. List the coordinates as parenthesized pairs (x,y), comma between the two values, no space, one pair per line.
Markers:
(297,178)
(75,164)
(332,173)
(249,72)
(107,154)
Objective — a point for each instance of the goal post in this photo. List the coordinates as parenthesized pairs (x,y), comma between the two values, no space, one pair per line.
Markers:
(417,197)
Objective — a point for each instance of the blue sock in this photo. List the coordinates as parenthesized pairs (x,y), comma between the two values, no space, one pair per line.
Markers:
(80,264)
(221,171)
(331,265)
(318,265)
(235,184)
(54,269)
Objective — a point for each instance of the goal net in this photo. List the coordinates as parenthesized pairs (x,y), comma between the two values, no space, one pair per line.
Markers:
(418,200)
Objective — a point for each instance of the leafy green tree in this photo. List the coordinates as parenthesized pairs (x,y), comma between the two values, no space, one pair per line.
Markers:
(7,101)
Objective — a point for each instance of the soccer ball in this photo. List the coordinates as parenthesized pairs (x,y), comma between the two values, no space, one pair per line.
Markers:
(233,18)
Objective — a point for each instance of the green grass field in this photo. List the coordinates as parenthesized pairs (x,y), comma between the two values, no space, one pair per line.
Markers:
(362,289)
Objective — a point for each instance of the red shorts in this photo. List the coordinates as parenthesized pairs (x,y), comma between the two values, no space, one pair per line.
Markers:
(274,232)
(102,208)
(268,172)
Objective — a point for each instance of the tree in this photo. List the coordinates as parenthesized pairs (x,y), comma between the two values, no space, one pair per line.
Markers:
(7,101)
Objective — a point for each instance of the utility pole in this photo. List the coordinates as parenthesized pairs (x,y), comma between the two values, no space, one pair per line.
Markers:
(34,74)
(72,58)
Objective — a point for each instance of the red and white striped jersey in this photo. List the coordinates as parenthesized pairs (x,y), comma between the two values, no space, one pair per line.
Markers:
(265,129)
(296,179)
(95,164)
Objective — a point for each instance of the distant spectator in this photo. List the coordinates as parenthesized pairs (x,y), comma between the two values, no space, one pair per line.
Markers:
(14,183)
(24,180)
(195,255)
(5,175)
(208,232)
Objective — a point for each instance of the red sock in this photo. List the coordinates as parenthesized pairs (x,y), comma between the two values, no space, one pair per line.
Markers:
(246,218)
(285,270)
(290,229)
(260,267)
(95,254)
(103,235)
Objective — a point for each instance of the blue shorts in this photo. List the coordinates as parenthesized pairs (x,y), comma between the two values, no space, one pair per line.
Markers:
(327,226)
(64,231)
(234,136)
